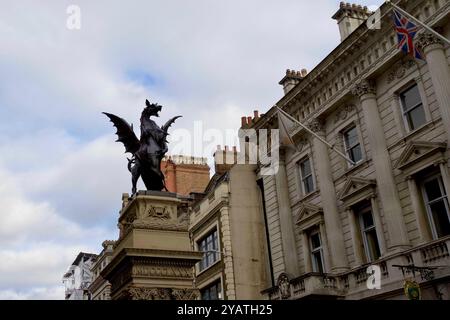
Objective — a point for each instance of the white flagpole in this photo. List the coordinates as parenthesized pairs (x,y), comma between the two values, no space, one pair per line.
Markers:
(315,135)
(437,34)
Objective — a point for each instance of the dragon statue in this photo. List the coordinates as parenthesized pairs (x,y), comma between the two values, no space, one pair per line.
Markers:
(148,151)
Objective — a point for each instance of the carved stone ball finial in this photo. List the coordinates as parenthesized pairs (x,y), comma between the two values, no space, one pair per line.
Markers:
(364,87)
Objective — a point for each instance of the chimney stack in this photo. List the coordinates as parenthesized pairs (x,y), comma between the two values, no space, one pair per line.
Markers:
(292,78)
(224,159)
(349,17)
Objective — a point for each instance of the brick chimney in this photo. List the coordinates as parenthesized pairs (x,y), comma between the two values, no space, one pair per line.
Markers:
(291,79)
(247,122)
(349,17)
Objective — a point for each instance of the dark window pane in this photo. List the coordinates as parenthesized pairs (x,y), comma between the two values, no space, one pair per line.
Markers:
(309,184)
(315,241)
(410,98)
(440,218)
(373,246)
(416,118)
(351,137)
(367,219)
(355,153)
(318,264)
(433,190)
(209,246)
(213,292)
(306,168)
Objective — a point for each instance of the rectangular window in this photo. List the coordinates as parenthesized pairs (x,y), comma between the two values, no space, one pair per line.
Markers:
(352,145)
(212,292)
(306,176)
(316,251)
(437,206)
(412,107)
(369,232)
(209,246)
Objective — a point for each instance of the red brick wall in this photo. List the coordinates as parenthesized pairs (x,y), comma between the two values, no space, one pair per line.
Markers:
(185,178)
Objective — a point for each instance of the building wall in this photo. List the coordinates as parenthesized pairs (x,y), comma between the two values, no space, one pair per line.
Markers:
(185,174)
(364,54)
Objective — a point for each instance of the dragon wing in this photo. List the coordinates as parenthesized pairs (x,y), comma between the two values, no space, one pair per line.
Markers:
(125,133)
(169,123)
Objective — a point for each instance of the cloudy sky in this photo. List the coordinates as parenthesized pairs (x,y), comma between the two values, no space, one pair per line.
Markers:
(61,174)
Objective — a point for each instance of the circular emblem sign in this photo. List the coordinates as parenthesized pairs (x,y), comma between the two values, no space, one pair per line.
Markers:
(412,290)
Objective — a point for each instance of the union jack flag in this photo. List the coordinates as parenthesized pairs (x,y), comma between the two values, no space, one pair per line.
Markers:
(406,31)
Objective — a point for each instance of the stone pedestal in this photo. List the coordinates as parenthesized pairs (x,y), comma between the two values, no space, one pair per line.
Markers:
(153,258)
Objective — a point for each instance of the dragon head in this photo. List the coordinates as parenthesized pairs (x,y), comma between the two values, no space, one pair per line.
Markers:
(151,109)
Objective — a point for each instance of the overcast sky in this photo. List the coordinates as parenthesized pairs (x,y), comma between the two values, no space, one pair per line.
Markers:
(61,173)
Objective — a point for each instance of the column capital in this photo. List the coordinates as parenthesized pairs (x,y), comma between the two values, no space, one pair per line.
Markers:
(364,87)
(317,125)
(426,40)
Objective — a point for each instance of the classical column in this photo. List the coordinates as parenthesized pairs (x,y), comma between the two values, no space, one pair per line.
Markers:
(286,220)
(387,189)
(306,252)
(332,219)
(433,48)
(420,214)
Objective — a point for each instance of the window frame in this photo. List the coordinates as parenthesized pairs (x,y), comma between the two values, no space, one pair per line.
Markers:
(427,202)
(364,232)
(214,283)
(405,113)
(348,148)
(303,178)
(313,251)
(201,267)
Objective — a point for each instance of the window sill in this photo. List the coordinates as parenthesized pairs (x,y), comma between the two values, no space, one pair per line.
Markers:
(357,166)
(208,267)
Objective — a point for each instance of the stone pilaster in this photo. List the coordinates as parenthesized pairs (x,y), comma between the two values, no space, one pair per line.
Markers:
(433,48)
(286,220)
(332,219)
(387,190)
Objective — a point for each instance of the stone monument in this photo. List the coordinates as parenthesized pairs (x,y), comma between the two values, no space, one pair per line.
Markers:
(153,258)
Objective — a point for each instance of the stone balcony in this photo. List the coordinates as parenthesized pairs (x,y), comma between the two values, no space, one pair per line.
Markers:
(353,284)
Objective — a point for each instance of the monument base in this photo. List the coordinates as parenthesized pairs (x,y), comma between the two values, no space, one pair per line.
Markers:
(153,258)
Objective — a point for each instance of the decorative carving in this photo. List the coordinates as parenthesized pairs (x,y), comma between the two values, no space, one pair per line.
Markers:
(301,144)
(159,212)
(284,286)
(364,87)
(399,70)
(185,294)
(316,125)
(161,271)
(427,39)
(344,112)
(140,293)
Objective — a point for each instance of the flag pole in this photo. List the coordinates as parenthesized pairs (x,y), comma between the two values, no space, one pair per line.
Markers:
(437,34)
(315,135)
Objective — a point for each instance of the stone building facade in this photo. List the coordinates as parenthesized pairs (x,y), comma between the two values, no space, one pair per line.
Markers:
(100,288)
(328,221)
(79,276)
(226,225)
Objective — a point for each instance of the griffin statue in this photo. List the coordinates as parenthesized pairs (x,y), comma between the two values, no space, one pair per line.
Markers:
(148,151)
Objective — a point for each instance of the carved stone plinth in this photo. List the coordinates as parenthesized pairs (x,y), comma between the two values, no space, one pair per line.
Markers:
(152,258)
